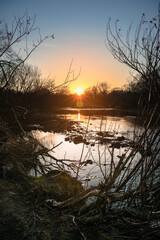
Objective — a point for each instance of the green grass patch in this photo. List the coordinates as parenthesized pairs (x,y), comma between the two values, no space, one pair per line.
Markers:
(58,185)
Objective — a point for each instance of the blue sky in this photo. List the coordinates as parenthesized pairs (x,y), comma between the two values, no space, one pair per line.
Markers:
(80,30)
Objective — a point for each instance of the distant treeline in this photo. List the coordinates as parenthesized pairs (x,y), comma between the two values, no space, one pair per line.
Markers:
(44,100)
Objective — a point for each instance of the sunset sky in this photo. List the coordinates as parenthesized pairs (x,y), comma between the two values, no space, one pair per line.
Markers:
(79,27)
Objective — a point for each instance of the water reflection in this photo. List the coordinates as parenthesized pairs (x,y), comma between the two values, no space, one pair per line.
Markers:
(74,117)
(93,152)
(79,117)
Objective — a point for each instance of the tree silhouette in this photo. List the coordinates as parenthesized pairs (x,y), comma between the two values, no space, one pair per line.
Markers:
(10,37)
(141,53)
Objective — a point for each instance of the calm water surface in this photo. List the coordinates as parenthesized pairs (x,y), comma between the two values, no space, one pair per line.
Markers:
(96,154)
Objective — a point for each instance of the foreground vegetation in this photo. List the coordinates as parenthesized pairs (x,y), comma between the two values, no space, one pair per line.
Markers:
(52,204)
(33,207)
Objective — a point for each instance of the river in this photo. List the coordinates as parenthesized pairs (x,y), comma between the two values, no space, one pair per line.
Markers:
(91,143)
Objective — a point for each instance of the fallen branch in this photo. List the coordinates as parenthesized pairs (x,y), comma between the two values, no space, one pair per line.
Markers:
(76,199)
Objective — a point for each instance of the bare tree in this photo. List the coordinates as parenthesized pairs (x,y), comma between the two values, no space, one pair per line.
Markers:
(19,32)
(14,73)
(141,53)
(70,77)
(25,79)
(103,88)
(98,89)
(62,88)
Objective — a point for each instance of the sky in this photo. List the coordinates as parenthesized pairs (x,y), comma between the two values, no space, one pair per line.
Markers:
(79,27)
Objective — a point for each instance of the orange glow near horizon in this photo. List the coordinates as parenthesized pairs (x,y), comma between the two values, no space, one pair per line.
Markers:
(92,71)
(79,91)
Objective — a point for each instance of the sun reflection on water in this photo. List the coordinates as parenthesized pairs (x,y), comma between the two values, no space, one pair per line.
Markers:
(94,151)
(79,117)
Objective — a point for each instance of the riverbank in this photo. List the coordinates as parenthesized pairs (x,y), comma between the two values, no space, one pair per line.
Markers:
(30,208)
(23,213)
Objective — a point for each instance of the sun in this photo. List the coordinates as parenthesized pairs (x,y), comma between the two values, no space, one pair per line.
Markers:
(79,91)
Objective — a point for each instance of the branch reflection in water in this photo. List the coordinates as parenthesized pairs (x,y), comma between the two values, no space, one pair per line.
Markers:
(96,137)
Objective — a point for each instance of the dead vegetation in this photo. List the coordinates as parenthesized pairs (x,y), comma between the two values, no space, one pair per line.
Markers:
(125,205)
